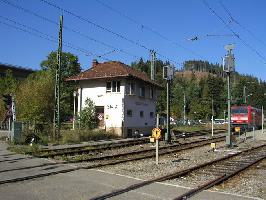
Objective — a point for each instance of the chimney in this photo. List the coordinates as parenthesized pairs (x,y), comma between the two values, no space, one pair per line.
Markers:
(94,62)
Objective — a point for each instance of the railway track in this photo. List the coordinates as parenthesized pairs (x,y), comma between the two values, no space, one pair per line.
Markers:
(222,169)
(71,151)
(99,161)
(109,160)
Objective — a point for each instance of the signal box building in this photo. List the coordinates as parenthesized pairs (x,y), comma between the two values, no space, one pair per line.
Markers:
(125,98)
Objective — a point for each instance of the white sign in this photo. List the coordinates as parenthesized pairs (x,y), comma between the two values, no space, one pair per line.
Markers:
(100,117)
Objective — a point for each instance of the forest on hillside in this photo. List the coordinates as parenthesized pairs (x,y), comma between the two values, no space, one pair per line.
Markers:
(201,87)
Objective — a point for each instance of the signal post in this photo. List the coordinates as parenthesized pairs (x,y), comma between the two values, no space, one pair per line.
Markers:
(156,134)
(229,67)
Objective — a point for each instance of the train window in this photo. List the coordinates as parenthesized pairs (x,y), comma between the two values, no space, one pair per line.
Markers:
(239,110)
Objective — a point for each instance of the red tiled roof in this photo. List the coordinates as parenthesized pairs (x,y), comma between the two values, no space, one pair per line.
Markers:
(111,69)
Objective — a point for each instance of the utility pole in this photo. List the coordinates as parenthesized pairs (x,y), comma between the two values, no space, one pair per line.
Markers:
(58,82)
(153,68)
(228,67)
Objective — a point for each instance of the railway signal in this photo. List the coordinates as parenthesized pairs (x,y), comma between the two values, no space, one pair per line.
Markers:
(229,67)
(168,74)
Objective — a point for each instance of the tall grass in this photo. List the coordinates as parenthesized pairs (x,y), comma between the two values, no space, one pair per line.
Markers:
(77,136)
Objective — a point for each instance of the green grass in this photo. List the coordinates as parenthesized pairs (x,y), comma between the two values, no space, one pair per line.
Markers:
(186,128)
(77,136)
(25,149)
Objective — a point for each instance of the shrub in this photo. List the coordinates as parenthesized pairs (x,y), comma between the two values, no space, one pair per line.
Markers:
(88,118)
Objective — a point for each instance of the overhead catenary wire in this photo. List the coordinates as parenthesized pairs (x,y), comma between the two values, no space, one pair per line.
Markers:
(147,28)
(68,28)
(236,35)
(103,28)
(212,33)
(240,25)
(92,23)
(37,33)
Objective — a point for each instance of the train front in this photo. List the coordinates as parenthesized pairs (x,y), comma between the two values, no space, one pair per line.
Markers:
(240,119)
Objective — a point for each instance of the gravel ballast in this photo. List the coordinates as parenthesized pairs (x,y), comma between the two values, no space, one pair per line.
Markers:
(250,182)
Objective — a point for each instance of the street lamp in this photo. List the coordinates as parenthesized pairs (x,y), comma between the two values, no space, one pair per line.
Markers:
(75,93)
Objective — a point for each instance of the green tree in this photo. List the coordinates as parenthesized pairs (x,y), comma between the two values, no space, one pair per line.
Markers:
(70,66)
(35,98)
(88,118)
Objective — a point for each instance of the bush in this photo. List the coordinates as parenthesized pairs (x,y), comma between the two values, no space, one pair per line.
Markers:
(88,117)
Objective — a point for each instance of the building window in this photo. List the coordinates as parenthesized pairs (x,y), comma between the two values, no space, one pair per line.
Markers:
(151,115)
(141,114)
(142,91)
(130,88)
(108,86)
(151,92)
(129,113)
(113,86)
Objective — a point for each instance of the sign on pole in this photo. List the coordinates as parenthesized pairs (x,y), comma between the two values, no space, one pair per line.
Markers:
(156,133)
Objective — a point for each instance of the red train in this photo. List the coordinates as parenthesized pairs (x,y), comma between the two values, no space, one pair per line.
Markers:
(246,117)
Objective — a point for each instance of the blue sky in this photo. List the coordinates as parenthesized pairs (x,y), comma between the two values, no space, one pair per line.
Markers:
(176,22)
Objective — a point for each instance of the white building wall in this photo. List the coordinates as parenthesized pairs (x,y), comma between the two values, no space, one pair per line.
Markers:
(135,122)
(116,106)
(111,101)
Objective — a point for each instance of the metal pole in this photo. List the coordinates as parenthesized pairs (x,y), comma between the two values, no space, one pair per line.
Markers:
(212,125)
(57,82)
(157,120)
(184,106)
(212,117)
(253,126)
(262,119)
(229,137)
(167,137)
(152,64)
(13,109)
(157,152)
(244,94)
(74,113)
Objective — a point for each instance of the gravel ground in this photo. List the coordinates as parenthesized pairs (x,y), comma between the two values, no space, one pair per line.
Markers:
(250,183)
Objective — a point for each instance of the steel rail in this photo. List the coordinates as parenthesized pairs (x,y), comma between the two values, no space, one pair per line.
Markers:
(117,144)
(97,145)
(218,180)
(163,150)
(88,149)
(170,176)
